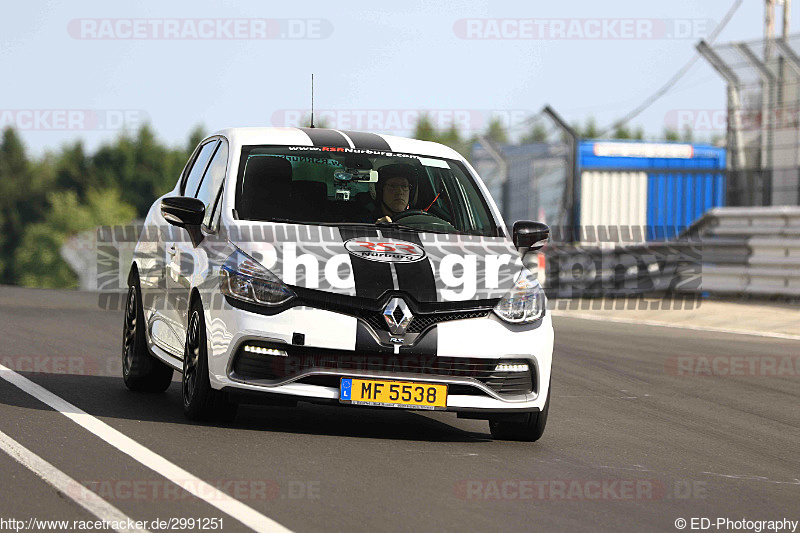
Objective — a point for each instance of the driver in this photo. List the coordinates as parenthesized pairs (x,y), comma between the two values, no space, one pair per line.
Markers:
(394,190)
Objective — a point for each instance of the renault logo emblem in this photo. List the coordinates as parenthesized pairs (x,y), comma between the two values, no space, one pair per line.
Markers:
(397,315)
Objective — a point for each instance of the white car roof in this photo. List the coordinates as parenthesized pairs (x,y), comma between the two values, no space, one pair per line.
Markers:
(239,137)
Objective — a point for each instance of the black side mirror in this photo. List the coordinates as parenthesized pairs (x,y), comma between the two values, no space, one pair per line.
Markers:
(185,212)
(530,235)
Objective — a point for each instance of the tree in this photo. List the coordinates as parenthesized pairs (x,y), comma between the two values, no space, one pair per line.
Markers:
(44,201)
(38,258)
(622,132)
(671,135)
(140,167)
(425,130)
(537,134)
(19,199)
(496,131)
(590,131)
(73,170)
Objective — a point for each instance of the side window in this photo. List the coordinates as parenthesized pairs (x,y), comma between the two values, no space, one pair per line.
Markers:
(215,175)
(199,166)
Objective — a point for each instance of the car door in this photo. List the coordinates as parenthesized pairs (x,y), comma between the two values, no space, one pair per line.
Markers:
(167,329)
(193,260)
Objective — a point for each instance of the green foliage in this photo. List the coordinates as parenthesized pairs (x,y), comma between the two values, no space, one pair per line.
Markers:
(426,131)
(44,201)
(590,131)
(671,135)
(496,131)
(622,132)
(537,134)
(142,168)
(38,260)
(22,190)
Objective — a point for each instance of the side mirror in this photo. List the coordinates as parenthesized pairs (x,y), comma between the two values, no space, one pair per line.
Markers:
(185,212)
(530,235)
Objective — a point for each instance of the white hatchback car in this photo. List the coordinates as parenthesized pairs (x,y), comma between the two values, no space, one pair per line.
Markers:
(338,267)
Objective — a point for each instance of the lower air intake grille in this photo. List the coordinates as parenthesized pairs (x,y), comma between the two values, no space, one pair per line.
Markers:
(336,363)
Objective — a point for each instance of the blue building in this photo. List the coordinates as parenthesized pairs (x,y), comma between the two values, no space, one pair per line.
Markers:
(662,187)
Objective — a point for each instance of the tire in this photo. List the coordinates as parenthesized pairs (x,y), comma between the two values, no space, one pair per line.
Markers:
(201,402)
(141,371)
(529,429)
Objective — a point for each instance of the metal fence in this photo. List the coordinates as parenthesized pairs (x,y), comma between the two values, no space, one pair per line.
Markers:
(763,119)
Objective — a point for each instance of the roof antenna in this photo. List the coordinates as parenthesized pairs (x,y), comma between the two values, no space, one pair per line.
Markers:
(312,99)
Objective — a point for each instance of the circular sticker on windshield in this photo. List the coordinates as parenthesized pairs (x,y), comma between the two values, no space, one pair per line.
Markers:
(385,250)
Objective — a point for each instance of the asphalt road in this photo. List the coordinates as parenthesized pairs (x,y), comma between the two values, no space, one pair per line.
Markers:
(630,445)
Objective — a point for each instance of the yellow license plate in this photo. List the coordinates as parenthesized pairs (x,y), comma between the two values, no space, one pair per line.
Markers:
(393,393)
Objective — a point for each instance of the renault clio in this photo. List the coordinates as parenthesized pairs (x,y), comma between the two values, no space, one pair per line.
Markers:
(318,265)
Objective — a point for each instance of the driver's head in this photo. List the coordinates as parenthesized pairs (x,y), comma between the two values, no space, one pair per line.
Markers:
(395,184)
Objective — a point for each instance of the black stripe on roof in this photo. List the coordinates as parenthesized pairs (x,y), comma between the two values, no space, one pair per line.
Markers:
(325,137)
(368,141)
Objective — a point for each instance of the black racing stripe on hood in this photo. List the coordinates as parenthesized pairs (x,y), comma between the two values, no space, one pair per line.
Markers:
(414,278)
(323,137)
(372,278)
(368,141)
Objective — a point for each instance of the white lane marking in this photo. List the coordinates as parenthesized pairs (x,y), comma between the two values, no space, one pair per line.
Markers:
(182,478)
(65,484)
(619,320)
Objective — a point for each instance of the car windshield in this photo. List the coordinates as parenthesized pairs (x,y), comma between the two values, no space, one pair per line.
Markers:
(337,186)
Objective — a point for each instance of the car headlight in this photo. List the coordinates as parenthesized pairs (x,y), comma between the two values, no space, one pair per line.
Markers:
(525,302)
(244,278)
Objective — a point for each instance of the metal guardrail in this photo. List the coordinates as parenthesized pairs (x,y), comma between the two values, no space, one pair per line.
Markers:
(727,251)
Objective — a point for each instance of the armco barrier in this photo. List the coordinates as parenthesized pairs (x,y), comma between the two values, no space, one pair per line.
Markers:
(731,251)
(749,222)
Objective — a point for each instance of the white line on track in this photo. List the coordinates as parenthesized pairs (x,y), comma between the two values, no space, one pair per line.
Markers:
(182,478)
(65,484)
(583,316)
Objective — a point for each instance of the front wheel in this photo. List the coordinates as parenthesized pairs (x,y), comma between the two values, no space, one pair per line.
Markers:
(530,428)
(200,401)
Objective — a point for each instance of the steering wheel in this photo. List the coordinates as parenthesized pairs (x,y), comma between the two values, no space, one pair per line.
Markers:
(411,213)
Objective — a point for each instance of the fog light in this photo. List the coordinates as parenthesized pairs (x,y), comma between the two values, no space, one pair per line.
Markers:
(508,367)
(260,350)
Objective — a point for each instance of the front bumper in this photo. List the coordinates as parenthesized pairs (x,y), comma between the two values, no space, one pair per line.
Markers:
(476,340)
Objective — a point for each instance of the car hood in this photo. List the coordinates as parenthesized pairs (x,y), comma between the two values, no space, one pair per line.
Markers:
(369,261)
